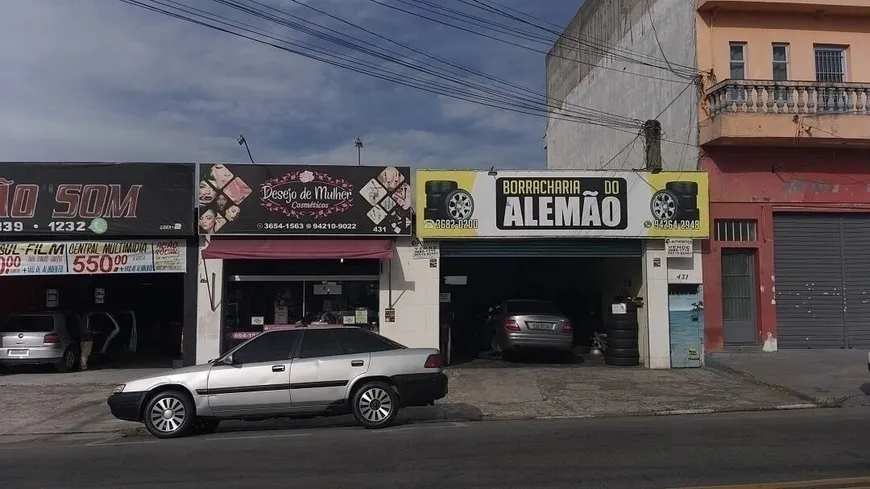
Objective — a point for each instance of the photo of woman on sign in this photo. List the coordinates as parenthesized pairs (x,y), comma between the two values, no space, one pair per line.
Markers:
(206,192)
(207,220)
(232,213)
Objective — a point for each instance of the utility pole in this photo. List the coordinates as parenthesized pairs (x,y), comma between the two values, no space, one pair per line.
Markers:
(652,135)
(359,145)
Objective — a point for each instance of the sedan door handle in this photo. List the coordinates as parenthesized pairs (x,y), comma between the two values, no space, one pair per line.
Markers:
(356,363)
(277,368)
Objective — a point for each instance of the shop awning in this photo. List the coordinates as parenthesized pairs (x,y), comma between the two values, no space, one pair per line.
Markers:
(298,249)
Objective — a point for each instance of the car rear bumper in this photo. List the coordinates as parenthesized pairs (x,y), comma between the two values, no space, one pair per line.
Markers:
(35,355)
(514,341)
(126,405)
(420,389)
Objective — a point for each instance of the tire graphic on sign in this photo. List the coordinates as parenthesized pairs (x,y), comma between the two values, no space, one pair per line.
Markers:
(678,201)
(446,201)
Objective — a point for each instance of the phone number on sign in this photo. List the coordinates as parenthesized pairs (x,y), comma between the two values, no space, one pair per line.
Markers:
(452,224)
(316,226)
(675,225)
(99,263)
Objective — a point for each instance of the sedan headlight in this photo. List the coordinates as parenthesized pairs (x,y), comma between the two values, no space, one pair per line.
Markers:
(119,388)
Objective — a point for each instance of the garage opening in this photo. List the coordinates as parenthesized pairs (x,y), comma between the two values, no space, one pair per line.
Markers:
(576,279)
(136,319)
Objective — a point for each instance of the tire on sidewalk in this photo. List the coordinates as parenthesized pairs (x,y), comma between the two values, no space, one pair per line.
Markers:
(622,334)
(622,352)
(621,324)
(621,362)
(630,343)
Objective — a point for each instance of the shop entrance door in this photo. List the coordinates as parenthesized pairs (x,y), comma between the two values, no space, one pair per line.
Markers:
(738,297)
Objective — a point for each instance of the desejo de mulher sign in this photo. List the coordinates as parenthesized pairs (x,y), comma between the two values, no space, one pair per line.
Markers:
(517,204)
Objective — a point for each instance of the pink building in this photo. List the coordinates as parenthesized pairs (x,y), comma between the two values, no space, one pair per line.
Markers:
(784,128)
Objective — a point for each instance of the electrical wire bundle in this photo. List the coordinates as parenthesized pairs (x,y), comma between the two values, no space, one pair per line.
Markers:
(405,65)
(552,33)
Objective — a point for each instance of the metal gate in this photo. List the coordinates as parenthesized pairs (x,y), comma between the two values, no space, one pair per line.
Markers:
(542,248)
(822,280)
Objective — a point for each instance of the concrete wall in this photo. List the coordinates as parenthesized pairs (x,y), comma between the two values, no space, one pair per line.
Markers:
(411,286)
(659,272)
(209,310)
(625,24)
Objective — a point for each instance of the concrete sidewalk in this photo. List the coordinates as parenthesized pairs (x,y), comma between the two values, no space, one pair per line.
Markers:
(49,404)
(40,405)
(554,392)
(827,377)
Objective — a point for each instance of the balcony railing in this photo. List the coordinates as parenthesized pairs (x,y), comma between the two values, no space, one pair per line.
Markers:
(789,97)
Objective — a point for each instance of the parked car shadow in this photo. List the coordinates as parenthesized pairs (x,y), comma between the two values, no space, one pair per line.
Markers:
(406,417)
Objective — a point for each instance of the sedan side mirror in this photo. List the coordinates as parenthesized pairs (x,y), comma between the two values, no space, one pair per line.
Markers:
(227,360)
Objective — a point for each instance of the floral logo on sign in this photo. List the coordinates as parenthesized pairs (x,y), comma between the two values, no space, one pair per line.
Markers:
(306,194)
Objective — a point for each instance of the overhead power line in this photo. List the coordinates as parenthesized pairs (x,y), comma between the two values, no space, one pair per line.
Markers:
(560,33)
(220,23)
(514,35)
(297,23)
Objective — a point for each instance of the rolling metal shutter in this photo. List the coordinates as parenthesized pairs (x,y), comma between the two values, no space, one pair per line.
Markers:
(855,231)
(549,248)
(822,277)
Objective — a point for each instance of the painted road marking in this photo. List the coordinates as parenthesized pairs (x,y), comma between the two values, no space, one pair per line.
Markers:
(797,406)
(848,483)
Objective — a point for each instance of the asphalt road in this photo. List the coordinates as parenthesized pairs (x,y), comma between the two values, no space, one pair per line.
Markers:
(658,452)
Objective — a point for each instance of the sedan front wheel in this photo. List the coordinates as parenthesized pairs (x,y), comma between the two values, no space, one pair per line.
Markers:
(170,414)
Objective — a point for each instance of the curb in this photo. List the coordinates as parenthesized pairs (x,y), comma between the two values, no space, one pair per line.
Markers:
(671,412)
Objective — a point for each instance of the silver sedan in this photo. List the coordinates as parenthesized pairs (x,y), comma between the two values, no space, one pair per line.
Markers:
(518,324)
(301,372)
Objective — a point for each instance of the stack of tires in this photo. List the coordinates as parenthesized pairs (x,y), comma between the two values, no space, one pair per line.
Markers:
(445,200)
(687,199)
(678,201)
(622,338)
(436,198)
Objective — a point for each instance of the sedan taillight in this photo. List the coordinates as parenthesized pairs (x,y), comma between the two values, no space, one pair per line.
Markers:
(511,325)
(51,339)
(433,361)
(567,328)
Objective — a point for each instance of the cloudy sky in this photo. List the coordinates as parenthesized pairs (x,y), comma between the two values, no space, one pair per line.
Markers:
(99,80)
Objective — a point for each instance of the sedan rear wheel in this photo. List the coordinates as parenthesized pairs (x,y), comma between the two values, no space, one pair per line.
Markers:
(375,405)
(68,362)
(169,414)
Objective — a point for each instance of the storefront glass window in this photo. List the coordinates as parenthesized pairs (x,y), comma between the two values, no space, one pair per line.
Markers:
(253,307)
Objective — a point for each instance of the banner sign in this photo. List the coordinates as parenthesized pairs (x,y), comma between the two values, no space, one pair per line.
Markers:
(111,199)
(245,199)
(92,257)
(562,203)
(679,248)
